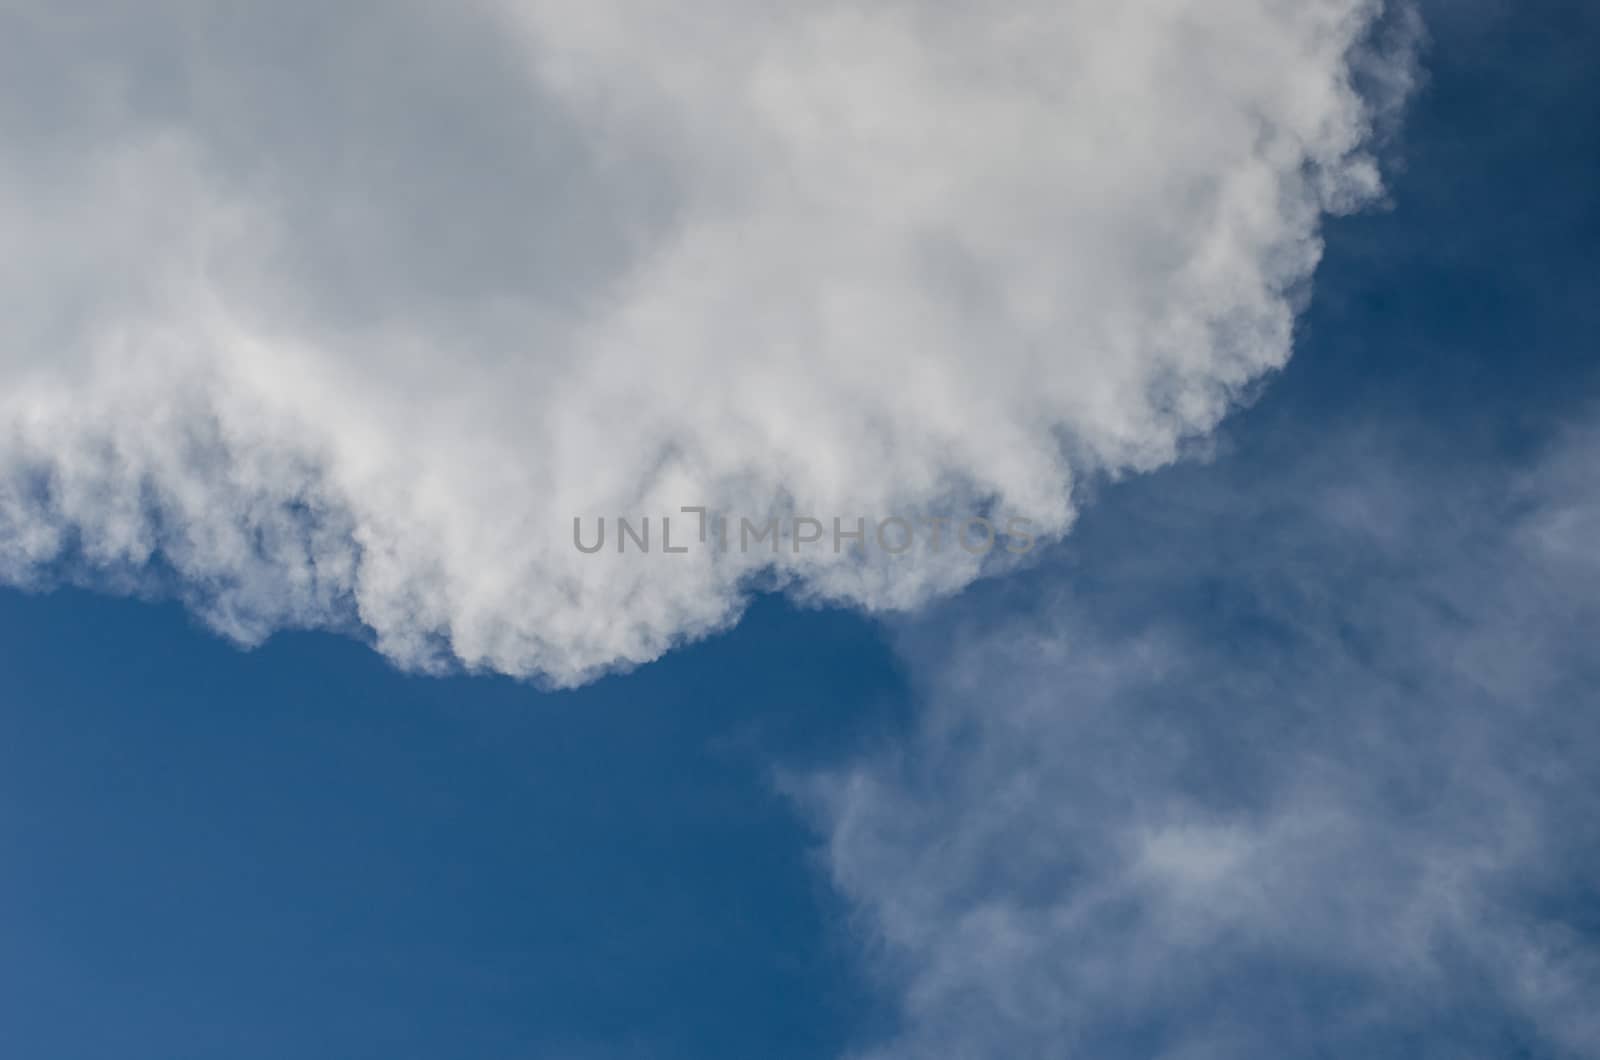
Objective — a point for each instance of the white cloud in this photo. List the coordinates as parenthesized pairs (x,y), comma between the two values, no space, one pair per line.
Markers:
(1311,775)
(340,318)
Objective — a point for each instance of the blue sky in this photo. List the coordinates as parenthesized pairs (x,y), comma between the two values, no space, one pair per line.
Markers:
(1280,745)
(299,850)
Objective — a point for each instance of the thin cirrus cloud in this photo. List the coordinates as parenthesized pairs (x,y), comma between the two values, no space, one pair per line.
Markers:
(1296,763)
(327,317)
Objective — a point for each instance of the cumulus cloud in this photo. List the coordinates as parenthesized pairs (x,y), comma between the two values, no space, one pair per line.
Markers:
(337,316)
(1300,764)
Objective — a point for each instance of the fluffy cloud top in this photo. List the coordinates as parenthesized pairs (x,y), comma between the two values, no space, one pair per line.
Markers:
(338,316)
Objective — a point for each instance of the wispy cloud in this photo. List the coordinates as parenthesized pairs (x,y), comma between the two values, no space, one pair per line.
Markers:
(1299,764)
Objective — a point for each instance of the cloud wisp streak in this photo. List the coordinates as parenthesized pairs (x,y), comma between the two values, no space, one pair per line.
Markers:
(1300,765)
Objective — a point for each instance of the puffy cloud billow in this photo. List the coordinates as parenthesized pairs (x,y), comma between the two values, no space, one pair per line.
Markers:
(337,315)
